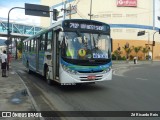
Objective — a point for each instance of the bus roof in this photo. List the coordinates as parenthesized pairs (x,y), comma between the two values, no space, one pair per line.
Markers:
(60,24)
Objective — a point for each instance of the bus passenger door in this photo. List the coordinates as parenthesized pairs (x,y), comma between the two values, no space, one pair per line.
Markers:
(56,56)
(41,53)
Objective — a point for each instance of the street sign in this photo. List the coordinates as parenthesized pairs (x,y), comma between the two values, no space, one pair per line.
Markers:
(37,10)
(140,33)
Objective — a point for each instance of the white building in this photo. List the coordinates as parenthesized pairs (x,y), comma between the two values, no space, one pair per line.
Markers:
(126,18)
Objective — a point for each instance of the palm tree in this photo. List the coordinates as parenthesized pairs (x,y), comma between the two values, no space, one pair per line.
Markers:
(136,50)
(128,50)
(117,53)
(145,50)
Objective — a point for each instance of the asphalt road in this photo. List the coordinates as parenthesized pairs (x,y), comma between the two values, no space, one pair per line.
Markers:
(133,88)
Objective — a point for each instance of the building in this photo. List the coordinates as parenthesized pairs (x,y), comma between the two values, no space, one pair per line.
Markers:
(126,18)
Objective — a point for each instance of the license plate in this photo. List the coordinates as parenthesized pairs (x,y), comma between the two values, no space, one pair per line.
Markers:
(91,77)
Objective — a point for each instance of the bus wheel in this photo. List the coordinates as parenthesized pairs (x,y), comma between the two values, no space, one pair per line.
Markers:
(47,75)
(28,70)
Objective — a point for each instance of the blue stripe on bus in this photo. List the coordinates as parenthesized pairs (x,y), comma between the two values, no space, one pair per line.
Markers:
(132,26)
(85,68)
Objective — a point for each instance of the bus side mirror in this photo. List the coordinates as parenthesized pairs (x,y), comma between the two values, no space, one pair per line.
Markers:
(61,36)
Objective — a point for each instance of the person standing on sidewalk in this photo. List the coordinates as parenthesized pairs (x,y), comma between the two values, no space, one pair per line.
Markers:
(4,63)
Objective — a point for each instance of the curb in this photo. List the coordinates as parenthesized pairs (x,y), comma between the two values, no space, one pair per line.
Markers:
(31,97)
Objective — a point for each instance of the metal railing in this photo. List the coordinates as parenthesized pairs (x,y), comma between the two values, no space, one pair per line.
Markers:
(19,29)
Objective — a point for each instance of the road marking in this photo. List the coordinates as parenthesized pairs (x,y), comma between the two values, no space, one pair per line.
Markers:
(114,73)
(141,79)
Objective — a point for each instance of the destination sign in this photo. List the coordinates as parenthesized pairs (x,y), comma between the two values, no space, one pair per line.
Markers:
(86,25)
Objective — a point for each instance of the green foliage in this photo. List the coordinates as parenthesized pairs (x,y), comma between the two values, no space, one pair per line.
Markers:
(145,50)
(113,57)
(20,46)
(128,50)
(119,57)
(137,49)
(116,54)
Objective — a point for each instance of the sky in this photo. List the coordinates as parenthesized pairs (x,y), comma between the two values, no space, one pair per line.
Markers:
(18,15)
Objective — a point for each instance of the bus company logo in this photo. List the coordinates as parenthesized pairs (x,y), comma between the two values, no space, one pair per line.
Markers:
(126,3)
(6,114)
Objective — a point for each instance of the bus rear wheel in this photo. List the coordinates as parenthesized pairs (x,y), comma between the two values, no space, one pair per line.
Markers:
(28,70)
(47,76)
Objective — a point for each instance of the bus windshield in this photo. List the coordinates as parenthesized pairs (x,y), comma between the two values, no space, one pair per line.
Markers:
(80,45)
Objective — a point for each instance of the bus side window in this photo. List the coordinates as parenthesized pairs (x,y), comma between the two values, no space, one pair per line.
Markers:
(26,46)
(49,41)
(39,42)
(35,45)
(42,43)
(29,45)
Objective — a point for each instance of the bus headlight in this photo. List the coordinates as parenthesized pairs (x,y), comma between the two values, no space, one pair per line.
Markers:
(107,70)
(69,70)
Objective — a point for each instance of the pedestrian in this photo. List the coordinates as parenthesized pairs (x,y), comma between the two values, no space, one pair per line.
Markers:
(10,57)
(135,60)
(4,63)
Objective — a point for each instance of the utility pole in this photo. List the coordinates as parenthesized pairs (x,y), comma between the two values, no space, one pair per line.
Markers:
(153,14)
(90,10)
(64,12)
(70,10)
(9,34)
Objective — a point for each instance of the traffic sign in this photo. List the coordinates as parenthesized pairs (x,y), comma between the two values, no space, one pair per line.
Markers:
(140,33)
(37,10)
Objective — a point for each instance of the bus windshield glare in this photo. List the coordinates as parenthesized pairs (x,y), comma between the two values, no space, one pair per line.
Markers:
(84,46)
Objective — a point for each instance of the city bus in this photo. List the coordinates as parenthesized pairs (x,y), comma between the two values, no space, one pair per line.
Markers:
(70,51)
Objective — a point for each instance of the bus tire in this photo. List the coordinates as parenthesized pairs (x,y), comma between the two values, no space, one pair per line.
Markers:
(28,70)
(47,76)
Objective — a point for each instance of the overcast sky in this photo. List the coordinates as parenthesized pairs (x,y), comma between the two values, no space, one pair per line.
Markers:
(18,15)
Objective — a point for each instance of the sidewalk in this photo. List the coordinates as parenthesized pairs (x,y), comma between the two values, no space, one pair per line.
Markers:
(13,95)
(121,63)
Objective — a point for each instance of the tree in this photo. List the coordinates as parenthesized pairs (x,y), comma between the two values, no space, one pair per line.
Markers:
(117,53)
(145,50)
(127,50)
(20,46)
(137,49)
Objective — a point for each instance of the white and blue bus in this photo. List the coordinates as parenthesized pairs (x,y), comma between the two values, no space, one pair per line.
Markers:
(71,51)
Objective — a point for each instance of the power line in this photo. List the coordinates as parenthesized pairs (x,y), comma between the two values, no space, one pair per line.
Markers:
(83,16)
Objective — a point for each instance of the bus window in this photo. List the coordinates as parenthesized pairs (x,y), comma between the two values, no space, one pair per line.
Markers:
(29,46)
(35,44)
(32,45)
(49,41)
(24,46)
(38,42)
(42,43)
